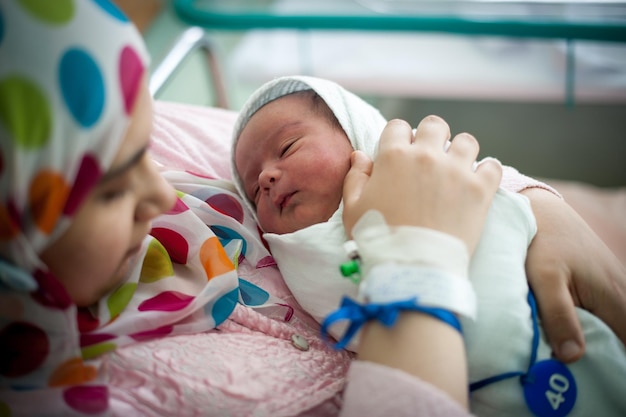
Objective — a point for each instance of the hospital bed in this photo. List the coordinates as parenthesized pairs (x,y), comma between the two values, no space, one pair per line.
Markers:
(197,139)
(534,50)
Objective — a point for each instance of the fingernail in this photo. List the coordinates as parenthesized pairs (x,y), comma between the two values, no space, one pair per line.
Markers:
(569,350)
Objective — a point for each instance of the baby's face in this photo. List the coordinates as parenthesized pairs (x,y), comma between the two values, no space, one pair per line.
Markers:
(292,162)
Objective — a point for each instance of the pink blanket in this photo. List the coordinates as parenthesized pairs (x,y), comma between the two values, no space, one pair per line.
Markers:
(217,373)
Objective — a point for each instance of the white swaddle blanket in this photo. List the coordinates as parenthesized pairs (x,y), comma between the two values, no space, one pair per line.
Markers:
(500,340)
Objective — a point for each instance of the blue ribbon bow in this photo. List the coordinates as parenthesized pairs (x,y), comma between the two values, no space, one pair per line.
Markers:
(357,314)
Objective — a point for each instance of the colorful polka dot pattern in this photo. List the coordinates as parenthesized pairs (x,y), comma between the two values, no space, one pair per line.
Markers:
(66,94)
(62,116)
(186,283)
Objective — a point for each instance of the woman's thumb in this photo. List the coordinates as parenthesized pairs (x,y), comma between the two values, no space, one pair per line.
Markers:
(357,177)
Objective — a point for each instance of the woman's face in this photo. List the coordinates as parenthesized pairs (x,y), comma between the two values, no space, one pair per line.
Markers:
(101,244)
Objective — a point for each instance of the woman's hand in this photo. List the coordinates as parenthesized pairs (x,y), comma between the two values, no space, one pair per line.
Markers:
(415,182)
(569,265)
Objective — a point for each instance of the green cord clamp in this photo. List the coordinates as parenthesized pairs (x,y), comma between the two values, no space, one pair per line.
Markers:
(352,268)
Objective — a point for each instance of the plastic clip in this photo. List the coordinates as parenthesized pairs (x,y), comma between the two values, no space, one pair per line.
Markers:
(351,269)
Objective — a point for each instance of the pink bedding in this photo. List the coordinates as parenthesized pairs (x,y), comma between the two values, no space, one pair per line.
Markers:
(164,377)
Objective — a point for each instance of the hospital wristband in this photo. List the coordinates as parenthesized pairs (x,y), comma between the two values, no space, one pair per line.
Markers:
(429,287)
(378,243)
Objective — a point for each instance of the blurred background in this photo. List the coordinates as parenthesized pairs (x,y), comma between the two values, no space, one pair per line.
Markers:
(510,93)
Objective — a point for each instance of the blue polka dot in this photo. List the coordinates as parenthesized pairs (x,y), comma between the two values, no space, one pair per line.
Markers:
(111,9)
(223,307)
(251,294)
(225,235)
(82,86)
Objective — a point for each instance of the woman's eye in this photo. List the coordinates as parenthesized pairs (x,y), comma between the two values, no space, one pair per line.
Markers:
(113,194)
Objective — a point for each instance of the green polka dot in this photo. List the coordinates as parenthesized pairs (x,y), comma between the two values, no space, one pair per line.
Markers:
(54,12)
(94,351)
(156,264)
(24,111)
(120,298)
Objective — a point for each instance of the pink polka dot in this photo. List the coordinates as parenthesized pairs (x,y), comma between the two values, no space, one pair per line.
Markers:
(50,292)
(88,174)
(94,339)
(179,207)
(151,334)
(86,321)
(23,348)
(130,71)
(227,205)
(88,399)
(173,242)
(166,301)
(267,261)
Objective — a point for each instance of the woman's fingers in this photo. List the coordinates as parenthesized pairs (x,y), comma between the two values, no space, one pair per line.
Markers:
(397,133)
(357,177)
(354,183)
(490,169)
(432,131)
(464,148)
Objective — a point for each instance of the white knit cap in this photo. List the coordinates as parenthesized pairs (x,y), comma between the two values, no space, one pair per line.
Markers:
(361,122)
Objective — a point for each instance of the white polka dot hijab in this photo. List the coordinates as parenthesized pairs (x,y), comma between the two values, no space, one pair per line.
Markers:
(70,72)
(69,76)
(361,122)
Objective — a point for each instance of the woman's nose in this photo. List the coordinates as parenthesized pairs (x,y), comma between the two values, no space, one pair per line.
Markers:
(159,196)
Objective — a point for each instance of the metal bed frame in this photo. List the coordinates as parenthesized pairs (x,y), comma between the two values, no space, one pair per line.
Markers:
(601,20)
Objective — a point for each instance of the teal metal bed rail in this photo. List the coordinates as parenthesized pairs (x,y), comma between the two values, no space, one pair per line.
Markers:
(585,20)
(598,21)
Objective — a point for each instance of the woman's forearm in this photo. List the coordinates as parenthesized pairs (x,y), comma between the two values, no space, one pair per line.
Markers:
(421,346)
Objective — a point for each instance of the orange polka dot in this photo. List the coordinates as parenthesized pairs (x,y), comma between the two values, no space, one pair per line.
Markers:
(214,258)
(48,193)
(72,372)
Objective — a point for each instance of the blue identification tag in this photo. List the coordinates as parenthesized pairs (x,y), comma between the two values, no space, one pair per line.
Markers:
(549,389)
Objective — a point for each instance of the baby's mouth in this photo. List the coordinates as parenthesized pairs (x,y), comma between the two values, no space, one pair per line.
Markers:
(285,200)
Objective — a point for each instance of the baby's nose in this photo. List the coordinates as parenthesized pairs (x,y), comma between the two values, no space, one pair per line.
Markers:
(268,177)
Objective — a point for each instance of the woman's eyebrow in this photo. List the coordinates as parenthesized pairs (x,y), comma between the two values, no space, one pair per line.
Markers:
(122,168)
